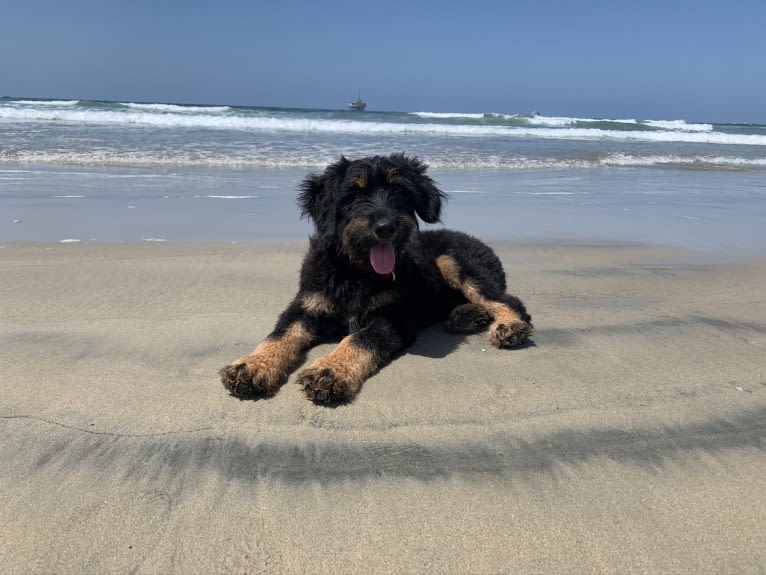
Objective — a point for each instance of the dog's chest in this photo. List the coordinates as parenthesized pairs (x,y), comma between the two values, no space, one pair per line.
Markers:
(350,297)
(358,305)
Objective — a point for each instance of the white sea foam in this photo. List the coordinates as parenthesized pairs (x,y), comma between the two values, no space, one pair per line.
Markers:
(302,159)
(178,108)
(551,193)
(667,125)
(447,115)
(549,121)
(545,127)
(647,136)
(51,103)
(227,197)
(121,158)
(563,121)
(111,134)
(629,160)
(679,125)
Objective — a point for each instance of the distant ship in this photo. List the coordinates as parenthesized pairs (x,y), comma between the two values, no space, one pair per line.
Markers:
(358,104)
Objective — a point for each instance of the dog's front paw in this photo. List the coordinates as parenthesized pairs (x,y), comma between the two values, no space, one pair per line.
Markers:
(325,385)
(251,376)
(506,335)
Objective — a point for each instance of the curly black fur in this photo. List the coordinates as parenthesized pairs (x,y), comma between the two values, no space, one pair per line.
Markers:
(373,279)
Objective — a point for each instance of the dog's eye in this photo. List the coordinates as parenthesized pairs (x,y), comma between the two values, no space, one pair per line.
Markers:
(353,198)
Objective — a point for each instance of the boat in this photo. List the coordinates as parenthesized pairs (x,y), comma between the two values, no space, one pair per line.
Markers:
(358,104)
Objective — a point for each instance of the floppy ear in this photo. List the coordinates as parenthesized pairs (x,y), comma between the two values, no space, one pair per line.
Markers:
(429,201)
(311,188)
(428,198)
(318,194)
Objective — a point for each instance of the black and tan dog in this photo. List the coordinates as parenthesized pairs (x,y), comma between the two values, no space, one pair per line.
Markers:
(373,280)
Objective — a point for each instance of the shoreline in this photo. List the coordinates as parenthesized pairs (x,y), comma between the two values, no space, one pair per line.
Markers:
(657,254)
(630,437)
(718,214)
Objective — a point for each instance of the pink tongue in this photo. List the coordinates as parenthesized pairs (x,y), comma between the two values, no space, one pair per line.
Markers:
(383,258)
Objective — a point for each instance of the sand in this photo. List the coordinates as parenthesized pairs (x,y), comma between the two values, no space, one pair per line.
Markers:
(630,438)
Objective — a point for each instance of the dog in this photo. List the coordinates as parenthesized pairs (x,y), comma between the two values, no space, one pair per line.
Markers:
(371,279)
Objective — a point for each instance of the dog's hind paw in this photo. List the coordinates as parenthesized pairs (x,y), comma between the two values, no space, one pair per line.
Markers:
(509,335)
(251,376)
(468,318)
(322,385)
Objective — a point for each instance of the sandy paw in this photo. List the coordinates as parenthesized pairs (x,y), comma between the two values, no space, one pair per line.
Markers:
(250,377)
(509,335)
(323,385)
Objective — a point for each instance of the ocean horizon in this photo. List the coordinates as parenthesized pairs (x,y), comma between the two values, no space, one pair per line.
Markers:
(81,170)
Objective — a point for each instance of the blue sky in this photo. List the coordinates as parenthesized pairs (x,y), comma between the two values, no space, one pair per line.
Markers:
(696,60)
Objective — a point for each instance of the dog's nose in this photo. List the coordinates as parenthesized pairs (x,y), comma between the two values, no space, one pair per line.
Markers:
(384,229)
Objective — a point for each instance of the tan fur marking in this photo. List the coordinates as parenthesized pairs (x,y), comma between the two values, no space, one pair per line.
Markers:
(450,271)
(356,228)
(350,363)
(316,303)
(501,312)
(280,356)
(392,175)
(361,180)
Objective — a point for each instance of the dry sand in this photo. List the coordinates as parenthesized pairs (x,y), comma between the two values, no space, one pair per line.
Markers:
(631,438)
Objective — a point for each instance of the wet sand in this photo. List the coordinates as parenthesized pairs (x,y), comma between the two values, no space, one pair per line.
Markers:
(630,438)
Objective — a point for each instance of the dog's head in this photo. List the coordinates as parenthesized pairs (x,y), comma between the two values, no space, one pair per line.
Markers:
(369,207)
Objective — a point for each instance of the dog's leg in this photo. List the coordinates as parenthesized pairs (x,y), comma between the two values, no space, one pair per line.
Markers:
(509,321)
(468,318)
(338,376)
(265,370)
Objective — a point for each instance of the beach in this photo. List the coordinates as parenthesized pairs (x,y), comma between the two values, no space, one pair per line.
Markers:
(143,246)
(629,438)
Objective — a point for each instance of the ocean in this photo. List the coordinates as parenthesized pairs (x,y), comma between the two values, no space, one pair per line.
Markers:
(128,171)
(77,132)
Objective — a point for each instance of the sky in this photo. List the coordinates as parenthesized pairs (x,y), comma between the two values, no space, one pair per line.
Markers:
(698,60)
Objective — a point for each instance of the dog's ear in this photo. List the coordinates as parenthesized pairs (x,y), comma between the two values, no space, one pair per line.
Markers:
(318,195)
(428,198)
